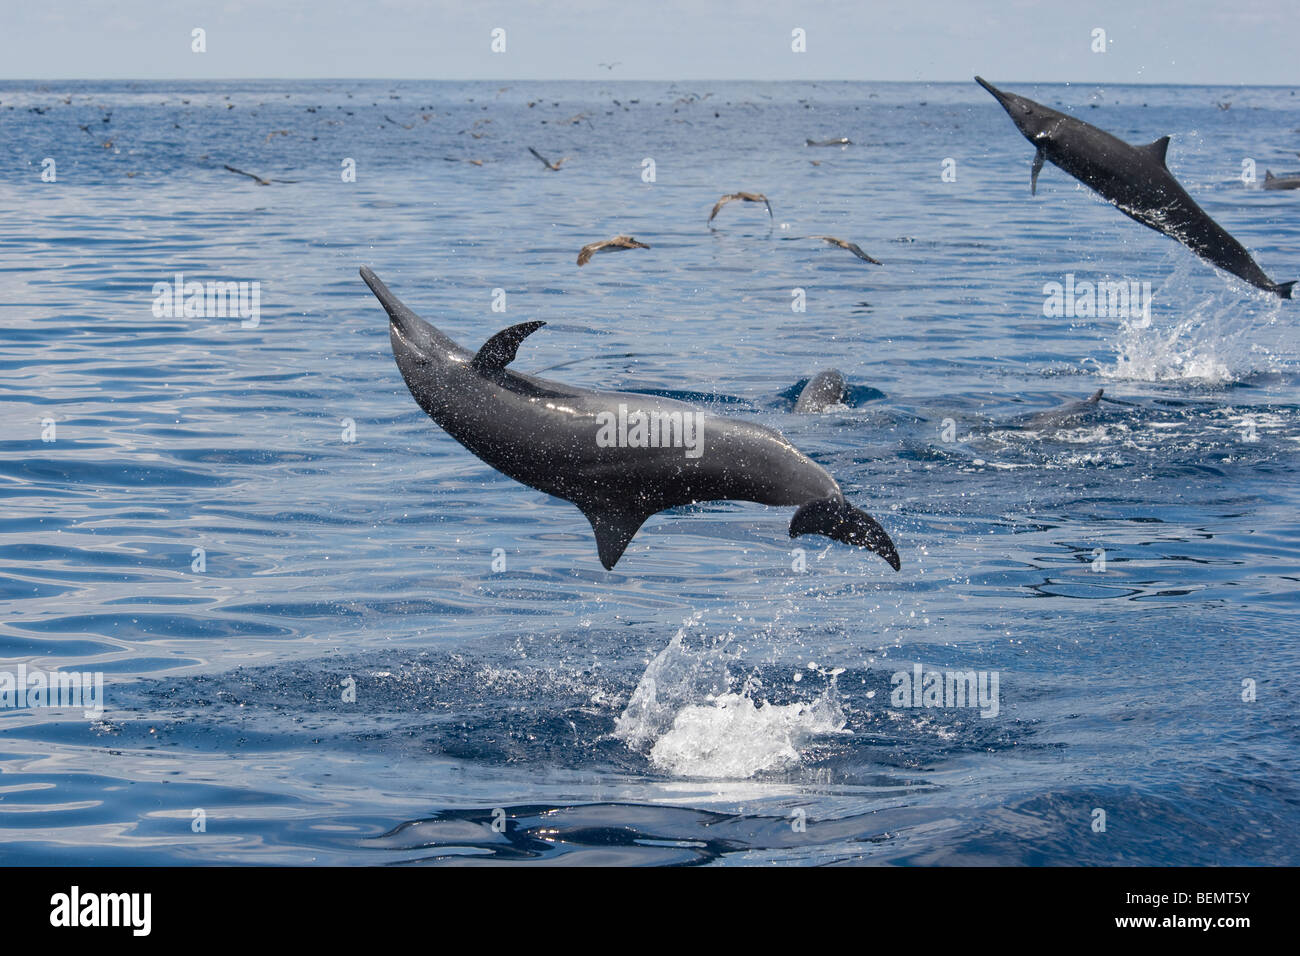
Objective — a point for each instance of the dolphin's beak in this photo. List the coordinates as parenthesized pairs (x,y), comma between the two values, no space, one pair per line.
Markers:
(410,334)
(397,311)
(405,327)
(997,93)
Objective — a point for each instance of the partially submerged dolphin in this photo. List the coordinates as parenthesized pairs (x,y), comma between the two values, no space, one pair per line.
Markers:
(824,390)
(619,456)
(1285,181)
(1063,416)
(1133,178)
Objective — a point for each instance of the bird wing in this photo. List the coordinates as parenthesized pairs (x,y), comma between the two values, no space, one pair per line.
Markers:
(719,204)
(260,180)
(545,162)
(854,248)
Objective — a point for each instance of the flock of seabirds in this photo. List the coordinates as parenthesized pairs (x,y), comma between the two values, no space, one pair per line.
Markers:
(621,457)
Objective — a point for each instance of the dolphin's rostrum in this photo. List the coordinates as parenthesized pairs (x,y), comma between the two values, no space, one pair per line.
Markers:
(1133,178)
(562,440)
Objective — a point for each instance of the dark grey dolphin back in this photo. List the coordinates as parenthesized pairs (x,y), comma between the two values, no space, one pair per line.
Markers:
(822,391)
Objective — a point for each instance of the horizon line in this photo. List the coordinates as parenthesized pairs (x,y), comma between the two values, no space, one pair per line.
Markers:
(433,79)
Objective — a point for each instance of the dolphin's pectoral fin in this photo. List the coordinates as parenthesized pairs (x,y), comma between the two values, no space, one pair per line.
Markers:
(615,528)
(500,350)
(1037,168)
(1159,149)
(836,518)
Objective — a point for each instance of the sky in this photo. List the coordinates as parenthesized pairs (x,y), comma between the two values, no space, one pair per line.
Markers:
(1211,42)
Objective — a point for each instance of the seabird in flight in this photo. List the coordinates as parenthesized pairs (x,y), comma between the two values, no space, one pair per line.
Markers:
(552,166)
(747,197)
(608,245)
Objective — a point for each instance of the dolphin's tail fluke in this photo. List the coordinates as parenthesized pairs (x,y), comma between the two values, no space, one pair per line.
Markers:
(836,518)
(1284,288)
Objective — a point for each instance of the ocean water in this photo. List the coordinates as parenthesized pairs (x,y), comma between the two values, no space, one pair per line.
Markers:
(285,571)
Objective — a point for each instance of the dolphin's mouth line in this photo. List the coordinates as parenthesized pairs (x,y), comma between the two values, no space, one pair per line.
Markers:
(396,327)
(406,340)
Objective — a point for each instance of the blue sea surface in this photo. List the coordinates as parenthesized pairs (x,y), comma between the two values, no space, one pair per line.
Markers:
(330,634)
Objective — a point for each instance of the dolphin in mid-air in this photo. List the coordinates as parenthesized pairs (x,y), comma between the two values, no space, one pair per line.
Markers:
(619,456)
(1133,178)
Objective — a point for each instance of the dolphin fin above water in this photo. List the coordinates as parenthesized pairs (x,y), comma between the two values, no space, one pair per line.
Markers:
(1064,416)
(500,350)
(1158,151)
(615,527)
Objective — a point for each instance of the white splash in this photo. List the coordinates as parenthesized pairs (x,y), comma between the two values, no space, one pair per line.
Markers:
(694,724)
(734,738)
(1224,337)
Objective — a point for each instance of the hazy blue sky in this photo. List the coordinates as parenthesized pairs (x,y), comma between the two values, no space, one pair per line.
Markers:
(1153,41)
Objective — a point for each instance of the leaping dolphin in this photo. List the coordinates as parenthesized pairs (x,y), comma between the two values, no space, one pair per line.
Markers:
(619,456)
(1133,178)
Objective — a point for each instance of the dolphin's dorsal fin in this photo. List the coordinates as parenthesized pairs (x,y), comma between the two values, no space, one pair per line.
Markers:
(1038,168)
(1158,149)
(615,526)
(500,350)
(1268,175)
(1095,397)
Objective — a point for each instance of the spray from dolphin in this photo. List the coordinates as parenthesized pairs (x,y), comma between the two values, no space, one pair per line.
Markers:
(619,456)
(1135,179)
